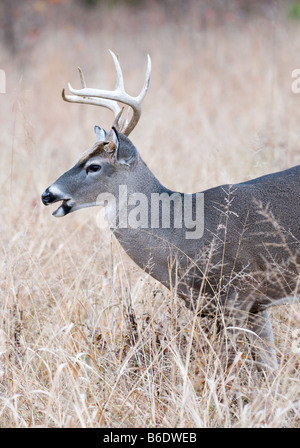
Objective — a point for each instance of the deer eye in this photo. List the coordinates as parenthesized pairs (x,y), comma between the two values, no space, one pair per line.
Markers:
(93,168)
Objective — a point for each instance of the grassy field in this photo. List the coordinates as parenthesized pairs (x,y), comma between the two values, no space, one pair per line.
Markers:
(86,338)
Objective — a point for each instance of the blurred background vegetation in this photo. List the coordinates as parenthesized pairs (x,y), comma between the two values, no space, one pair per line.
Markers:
(220,109)
(23,22)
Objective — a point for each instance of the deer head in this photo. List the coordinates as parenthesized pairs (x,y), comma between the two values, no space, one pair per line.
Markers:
(110,161)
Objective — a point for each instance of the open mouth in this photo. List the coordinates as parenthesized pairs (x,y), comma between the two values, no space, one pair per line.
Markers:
(63,209)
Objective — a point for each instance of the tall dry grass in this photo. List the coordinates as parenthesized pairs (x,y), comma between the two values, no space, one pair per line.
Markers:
(86,338)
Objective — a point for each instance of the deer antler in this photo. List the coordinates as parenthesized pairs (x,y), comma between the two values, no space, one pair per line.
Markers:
(109,98)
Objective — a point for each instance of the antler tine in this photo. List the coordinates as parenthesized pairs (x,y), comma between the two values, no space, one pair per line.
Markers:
(83,83)
(147,79)
(106,98)
(113,106)
(138,99)
(120,80)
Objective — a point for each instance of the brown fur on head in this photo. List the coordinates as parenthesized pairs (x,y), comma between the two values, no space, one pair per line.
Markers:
(107,146)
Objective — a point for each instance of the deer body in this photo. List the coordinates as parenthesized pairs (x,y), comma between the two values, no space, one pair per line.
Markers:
(248,256)
(252,244)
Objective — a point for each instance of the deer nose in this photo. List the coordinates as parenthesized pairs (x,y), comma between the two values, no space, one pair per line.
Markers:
(47,197)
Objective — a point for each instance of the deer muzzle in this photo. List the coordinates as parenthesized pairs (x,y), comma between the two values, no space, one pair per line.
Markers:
(50,197)
(47,197)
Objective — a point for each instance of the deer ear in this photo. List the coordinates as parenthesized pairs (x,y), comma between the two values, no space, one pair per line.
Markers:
(126,152)
(120,147)
(111,143)
(100,133)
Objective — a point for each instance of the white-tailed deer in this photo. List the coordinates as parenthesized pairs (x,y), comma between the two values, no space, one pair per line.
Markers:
(236,255)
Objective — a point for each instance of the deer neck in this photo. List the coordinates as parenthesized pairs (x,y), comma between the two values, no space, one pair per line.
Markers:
(134,196)
(133,229)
